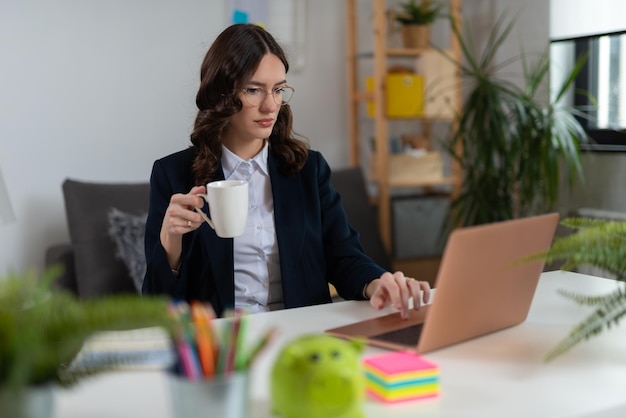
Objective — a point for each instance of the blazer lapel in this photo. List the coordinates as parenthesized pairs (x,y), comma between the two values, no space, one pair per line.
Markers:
(288,219)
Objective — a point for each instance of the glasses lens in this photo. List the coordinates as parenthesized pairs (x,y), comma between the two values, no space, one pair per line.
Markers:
(283,95)
(255,96)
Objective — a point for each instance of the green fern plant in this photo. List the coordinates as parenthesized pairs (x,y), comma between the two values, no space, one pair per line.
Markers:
(601,244)
(42,329)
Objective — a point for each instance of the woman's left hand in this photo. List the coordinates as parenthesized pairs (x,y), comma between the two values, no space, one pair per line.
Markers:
(396,289)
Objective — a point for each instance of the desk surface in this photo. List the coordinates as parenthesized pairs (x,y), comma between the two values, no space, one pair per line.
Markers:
(498,375)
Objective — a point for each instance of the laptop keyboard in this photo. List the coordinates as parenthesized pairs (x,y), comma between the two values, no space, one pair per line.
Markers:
(405,336)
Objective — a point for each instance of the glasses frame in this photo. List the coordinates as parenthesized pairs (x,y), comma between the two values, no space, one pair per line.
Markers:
(266,93)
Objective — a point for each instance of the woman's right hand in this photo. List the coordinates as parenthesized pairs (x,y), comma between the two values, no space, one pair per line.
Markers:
(180,218)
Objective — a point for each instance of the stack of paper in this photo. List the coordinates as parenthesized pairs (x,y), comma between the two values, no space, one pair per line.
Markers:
(400,376)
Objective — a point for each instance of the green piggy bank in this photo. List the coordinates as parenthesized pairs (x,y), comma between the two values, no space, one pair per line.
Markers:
(318,376)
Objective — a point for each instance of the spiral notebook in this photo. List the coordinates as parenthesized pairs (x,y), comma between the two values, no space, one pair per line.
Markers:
(137,349)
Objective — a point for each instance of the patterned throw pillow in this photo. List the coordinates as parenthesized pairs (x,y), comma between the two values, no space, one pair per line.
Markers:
(127,232)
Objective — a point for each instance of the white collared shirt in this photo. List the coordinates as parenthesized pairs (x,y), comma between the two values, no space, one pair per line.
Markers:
(257,269)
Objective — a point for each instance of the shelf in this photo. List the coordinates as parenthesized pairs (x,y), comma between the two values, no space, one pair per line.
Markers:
(364,96)
(368,96)
(405,52)
(425,182)
(395,52)
(410,171)
(399,172)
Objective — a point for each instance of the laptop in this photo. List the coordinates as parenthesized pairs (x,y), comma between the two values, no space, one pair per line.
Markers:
(480,288)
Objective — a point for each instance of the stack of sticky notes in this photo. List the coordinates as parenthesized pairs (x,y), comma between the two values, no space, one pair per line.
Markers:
(400,376)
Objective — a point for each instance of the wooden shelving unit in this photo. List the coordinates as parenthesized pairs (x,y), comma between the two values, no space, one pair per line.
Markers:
(383,56)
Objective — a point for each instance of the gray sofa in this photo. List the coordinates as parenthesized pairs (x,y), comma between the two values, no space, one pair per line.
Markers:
(106,224)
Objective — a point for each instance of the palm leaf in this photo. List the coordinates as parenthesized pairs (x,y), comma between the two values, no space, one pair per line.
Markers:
(512,147)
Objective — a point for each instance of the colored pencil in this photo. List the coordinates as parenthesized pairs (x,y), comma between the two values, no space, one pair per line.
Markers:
(204,338)
(260,345)
(240,354)
(231,350)
(184,342)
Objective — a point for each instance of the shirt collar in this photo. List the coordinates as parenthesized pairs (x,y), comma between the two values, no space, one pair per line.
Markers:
(230,160)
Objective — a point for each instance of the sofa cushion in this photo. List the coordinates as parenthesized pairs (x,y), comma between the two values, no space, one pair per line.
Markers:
(62,255)
(98,270)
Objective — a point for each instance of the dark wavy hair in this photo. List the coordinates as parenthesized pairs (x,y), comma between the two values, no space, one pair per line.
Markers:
(228,66)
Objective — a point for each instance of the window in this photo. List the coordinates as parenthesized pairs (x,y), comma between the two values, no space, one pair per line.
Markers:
(603,78)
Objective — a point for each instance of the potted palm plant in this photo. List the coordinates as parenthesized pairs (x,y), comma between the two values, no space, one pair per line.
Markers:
(415,19)
(42,329)
(511,144)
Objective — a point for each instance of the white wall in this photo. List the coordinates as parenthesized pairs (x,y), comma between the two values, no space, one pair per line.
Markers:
(529,35)
(97,90)
(577,18)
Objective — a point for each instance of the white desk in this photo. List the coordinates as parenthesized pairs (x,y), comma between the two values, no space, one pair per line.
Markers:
(499,375)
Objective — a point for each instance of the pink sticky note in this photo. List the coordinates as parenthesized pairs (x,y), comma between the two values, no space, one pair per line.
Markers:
(399,362)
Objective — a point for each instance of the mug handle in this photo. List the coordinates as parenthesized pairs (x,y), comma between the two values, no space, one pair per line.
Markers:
(206,218)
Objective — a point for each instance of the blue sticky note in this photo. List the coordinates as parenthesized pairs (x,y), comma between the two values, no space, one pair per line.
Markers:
(239,16)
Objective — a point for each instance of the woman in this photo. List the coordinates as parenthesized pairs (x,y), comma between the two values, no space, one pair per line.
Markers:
(297,238)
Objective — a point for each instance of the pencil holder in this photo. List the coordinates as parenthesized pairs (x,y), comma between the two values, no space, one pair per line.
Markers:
(223,396)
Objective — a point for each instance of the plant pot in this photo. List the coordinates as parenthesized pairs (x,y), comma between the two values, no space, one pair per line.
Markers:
(416,36)
(30,402)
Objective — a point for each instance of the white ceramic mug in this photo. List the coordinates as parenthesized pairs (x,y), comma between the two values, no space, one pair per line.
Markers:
(228,207)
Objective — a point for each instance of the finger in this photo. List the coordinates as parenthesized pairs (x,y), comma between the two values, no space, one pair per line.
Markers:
(178,226)
(420,291)
(378,300)
(180,220)
(185,226)
(187,201)
(381,296)
(416,292)
(403,294)
(198,190)
(426,289)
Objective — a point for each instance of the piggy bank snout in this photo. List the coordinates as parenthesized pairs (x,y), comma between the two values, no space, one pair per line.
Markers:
(334,387)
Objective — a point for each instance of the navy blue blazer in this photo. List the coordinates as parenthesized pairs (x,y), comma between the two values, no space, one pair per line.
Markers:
(316,244)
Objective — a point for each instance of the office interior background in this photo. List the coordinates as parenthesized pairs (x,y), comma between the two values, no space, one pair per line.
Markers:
(97,90)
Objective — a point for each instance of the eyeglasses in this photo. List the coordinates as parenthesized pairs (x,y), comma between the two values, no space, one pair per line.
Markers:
(255,95)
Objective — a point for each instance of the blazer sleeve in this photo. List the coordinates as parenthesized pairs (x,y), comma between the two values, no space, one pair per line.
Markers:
(196,274)
(159,277)
(349,268)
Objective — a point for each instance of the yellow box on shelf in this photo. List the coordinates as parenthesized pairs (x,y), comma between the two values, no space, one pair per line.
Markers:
(404,95)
